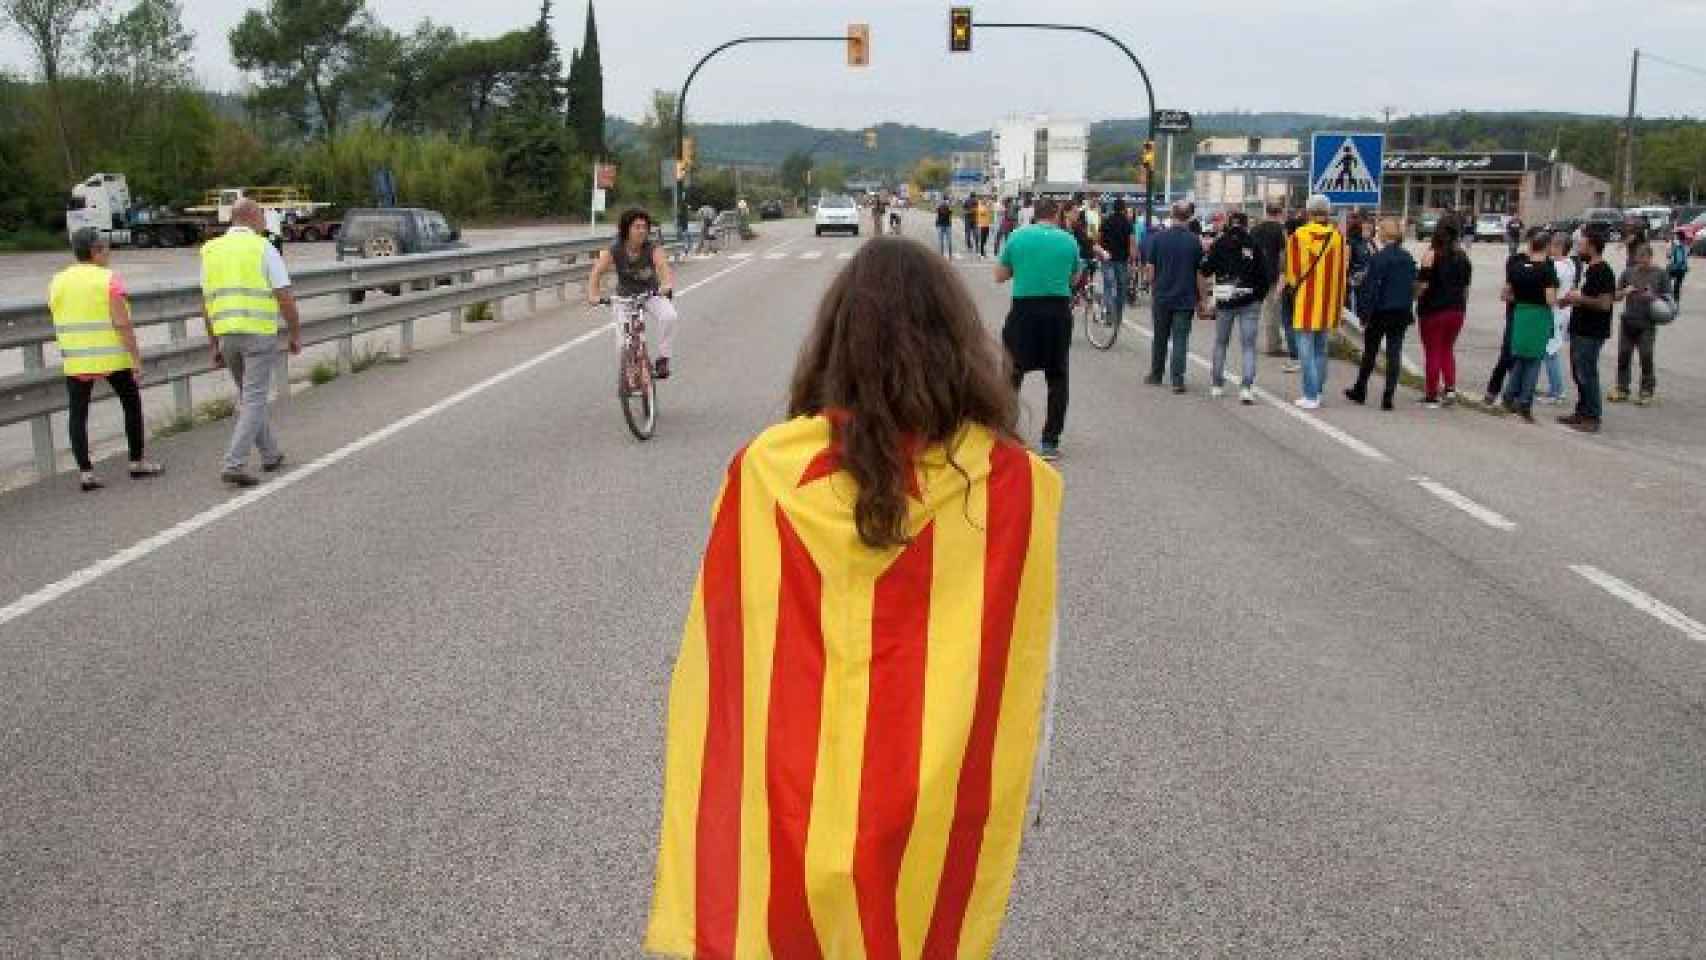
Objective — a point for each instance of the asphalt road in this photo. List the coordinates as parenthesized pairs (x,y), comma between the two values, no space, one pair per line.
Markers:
(409,701)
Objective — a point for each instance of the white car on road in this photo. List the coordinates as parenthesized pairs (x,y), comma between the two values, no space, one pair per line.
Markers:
(837,212)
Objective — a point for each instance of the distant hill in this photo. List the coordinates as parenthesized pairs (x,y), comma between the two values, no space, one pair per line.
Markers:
(899,146)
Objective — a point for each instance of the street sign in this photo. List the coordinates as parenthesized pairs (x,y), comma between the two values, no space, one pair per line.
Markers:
(606,176)
(1172,121)
(1347,167)
(598,200)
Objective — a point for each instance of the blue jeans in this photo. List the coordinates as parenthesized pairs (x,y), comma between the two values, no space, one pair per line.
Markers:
(1555,373)
(1247,319)
(945,241)
(1519,388)
(1584,367)
(1115,275)
(1172,329)
(1312,356)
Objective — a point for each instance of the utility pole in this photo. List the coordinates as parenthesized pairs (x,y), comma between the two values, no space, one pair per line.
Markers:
(1624,185)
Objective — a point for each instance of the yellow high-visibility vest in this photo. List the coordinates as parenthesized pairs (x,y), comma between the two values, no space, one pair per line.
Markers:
(234,285)
(83,321)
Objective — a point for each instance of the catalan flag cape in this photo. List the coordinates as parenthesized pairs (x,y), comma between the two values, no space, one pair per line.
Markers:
(1315,267)
(854,733)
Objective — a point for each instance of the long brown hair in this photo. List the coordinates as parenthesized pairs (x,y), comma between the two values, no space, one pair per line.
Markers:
(899,349)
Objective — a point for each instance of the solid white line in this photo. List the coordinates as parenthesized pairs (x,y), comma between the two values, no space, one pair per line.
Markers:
(1658,609)
(1486,515)
(1315,423)
(744,254)
(31,602)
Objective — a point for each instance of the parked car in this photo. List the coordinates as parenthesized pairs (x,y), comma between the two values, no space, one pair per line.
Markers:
(1426,224)
(1606,221)
(770,210)
(1492,226)
(1657,219)
(1564,225)
(395,232)
(1692,229)
(837,212)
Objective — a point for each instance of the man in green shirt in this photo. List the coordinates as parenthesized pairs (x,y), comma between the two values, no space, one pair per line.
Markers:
(1041,259)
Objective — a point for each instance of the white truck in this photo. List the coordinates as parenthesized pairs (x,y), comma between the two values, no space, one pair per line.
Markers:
(103,201)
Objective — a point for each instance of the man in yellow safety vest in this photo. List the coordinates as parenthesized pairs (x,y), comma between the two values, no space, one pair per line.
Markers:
(91,324)
(245,289)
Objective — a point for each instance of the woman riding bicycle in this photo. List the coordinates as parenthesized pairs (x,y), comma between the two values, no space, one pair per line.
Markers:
(1089,253)
(642,270)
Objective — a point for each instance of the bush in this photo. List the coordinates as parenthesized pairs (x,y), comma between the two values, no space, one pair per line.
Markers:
(324,372)
(434,171)
(360,362)
(32,239)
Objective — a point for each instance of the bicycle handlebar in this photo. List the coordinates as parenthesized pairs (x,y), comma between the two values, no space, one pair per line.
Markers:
(605,301)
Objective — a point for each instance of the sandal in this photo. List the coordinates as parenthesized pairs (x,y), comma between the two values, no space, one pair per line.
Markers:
(142,469)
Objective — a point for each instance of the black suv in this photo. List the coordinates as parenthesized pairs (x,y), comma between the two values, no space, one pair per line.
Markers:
(394,232)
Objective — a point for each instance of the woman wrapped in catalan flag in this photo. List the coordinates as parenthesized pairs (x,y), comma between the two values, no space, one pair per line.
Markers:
(858,718)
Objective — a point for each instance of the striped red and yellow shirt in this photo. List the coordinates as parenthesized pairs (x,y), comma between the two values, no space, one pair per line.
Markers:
(1315,266)
(853,732)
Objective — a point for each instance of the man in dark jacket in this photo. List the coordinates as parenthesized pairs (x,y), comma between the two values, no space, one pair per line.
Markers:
(1241,282)
(1391,292)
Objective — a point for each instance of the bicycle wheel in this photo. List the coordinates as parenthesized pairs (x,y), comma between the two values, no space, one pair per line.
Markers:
(1100,328)
(637,391)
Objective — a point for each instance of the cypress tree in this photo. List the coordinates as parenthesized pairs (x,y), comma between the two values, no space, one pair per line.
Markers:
(587,95)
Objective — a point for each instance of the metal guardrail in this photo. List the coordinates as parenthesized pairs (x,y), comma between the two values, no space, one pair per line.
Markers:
(451,280)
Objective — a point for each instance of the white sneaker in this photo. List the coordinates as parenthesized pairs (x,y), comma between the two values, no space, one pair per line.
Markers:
(1291,366)
(1247,396)
(1217,392)
(1307,403)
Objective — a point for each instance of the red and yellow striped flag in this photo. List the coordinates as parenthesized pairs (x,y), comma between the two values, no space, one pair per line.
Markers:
(1316,265)
(853,732)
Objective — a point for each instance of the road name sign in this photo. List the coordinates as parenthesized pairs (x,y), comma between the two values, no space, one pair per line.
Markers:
(1172,121)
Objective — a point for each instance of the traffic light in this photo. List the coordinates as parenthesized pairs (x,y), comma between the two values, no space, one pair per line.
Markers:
(959,29)
(870,139)
(680,171)
(858,44)
(687,151)
(1149,154)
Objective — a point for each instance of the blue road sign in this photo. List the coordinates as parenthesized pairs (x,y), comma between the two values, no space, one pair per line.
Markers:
(1347,167)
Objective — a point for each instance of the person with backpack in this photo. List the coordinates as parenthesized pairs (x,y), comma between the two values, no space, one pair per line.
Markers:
(1645,289)
(1678,265)
(1241,282)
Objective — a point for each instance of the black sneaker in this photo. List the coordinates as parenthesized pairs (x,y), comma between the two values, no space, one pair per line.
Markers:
(1355,396)
(1178,388)
(273,465)
(239,478)
(660,369)
(1386,403)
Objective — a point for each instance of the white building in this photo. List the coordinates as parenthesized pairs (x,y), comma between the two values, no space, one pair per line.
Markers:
(1246,171)
(1029,150)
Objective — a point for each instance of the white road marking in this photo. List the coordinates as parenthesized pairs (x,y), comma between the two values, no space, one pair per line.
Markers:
(1486,515)
(811,255)
(844,255)
(31,602)
(776,255)
(1658,609)
(744,254)
(1291,410)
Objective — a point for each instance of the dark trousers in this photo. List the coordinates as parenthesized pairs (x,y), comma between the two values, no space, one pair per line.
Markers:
(1676,286)
(1054,420)
(983,241)
(1496,383)
(1390,330)
(1633,337)
(1584,369)
(1172,330)
(971,236)
(129,395)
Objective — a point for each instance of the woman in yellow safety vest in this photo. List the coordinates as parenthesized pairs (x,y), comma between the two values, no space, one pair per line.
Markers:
(91,323)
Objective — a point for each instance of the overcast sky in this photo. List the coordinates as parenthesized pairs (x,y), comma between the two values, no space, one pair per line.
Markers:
(1350,57)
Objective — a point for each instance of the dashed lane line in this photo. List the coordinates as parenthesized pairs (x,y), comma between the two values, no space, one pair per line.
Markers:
(1486,515)
(1652,606)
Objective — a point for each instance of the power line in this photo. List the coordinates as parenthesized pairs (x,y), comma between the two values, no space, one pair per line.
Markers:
(1701,71)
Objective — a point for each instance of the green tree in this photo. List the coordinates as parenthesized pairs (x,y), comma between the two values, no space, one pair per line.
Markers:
(46,26)
(319,60)
(930,174)
(422,97)
(141,58)
(795,169)
(586,90)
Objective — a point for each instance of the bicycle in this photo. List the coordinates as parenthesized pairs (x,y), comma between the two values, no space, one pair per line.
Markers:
(1100,327)
(636,387)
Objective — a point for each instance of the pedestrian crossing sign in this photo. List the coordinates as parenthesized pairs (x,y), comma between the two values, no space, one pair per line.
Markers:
(1346,167)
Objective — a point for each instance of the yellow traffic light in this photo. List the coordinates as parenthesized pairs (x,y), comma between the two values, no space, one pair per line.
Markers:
(1149,153)
(870,139)
(858,44)
(687,151)
(680,170)
(959,29)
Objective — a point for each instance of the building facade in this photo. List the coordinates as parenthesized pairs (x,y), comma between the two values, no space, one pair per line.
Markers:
(1525,184)
(1038,149)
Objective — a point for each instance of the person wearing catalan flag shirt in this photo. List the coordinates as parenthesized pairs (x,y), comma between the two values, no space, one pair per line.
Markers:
(858,720)
(1316,270)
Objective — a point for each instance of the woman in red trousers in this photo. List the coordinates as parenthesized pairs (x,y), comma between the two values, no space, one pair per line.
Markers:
(1441,299)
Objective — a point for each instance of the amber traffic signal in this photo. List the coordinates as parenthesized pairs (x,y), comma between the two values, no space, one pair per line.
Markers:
(858,44)
(959,29)
(1149,153)
(687,151)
